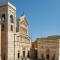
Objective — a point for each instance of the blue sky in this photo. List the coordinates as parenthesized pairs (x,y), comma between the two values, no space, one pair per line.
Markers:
(43,16)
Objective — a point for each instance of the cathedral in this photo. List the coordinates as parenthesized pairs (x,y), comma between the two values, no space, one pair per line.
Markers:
(15,42)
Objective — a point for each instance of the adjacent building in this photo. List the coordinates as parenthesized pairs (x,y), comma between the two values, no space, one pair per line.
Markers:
(47,48)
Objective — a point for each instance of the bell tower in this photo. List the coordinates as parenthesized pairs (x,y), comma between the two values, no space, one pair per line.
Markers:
(8,30)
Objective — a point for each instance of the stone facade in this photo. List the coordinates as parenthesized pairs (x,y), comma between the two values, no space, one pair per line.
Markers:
(13,44)
(47,48)
(8,29)
(22,38)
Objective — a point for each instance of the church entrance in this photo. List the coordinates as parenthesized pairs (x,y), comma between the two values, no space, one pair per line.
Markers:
(23,53)
(47,56)
(35,53)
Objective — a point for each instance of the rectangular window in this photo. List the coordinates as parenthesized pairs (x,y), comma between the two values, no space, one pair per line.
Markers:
(3,18)
(11,18)
(11,27)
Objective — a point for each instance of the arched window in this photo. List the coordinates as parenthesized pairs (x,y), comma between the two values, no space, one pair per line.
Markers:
(3,18)
(11,18)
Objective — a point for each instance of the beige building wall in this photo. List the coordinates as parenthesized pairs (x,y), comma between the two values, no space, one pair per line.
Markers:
(22,36)
(48,46)
(3,10)
(7,36)
(23,44)
(11,34)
